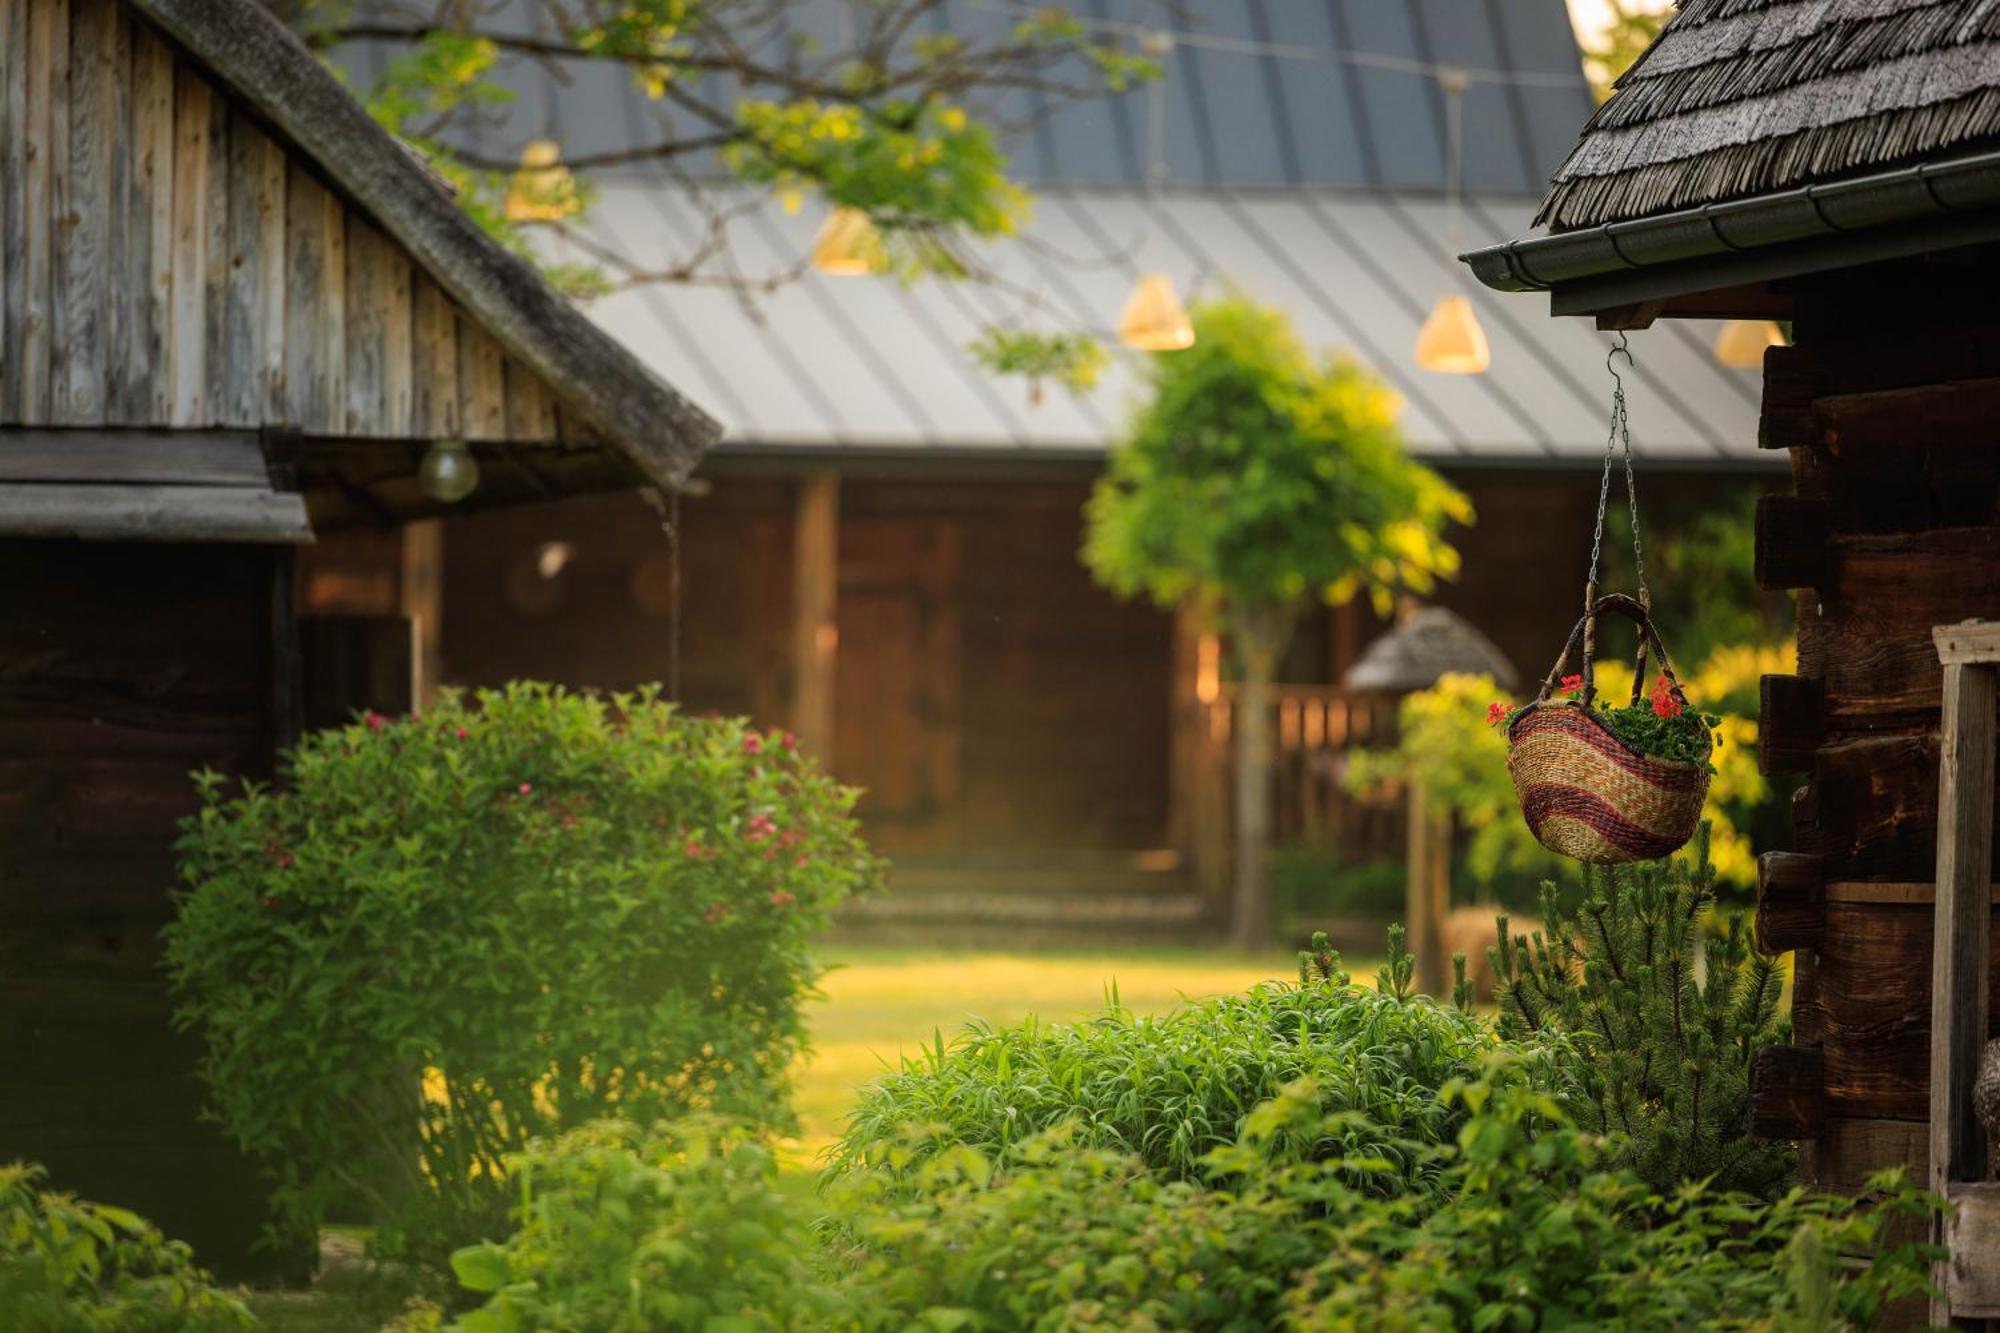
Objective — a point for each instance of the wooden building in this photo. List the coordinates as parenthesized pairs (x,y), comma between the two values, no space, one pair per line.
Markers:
(1837,167)
(886,557)
(233,313)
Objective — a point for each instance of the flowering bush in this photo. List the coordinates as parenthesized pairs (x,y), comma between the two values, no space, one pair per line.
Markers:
(517,913)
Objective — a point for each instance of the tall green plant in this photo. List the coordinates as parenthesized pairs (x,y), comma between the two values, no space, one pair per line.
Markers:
(1665,1014)
(523,911)
(1255,479)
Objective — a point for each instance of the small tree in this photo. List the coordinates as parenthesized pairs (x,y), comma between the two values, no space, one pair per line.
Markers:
(1668,1042)
(1254,480)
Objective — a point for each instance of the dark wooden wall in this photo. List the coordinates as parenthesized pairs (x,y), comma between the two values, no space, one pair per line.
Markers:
(122,668)
(1887,404)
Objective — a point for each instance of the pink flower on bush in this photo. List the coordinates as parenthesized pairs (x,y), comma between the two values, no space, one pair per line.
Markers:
(461,733)
(693,848)
(760,827)
(791,742)
(375,721)
(753,744)
(527,789)
(780,898)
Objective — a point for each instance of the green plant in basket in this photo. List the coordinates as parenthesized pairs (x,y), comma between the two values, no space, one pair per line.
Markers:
(520,912)
(1661,724)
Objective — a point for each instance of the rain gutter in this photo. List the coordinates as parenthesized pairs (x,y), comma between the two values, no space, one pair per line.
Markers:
(1862,219)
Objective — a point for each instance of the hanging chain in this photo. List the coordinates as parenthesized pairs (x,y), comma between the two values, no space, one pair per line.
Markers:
(1621,435)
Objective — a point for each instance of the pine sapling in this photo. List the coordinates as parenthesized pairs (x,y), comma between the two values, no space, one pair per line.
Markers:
(1664,1010)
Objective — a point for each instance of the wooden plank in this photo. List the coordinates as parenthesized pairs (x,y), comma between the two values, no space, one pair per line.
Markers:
(83,211)
(1850,1150)
(167,458)
(398,344)
(153,513)
(815,633)
(1790,723)
(1791,902)
(1877,891)
(315,281)
(215,248)
(482,387)
(119,155)
(1787,1100)
(530,413)
(190,249)
(366,408)
(149,254)
(434,405)
(241,370)
(270,173)
(1961,954)
(1970,641)
(1972,1276)
(47,143)
(13,217)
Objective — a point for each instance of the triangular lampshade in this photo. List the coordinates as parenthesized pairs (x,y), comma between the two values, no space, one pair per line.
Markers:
(1451,341)
(1741,342)
(1154,319)
(847,245)
(542,190)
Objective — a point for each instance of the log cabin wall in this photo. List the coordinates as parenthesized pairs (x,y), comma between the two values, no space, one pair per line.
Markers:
(123,667)
(1887,405)
(164,261)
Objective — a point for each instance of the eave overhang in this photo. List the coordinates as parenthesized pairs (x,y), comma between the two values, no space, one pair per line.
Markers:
(1742,243)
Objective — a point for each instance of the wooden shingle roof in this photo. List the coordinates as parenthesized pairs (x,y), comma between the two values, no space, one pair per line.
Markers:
(1741,97)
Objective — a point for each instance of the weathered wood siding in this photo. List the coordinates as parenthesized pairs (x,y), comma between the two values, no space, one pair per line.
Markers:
(1893,528)
(165,262)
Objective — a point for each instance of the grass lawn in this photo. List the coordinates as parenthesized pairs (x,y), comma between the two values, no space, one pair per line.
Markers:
(879,1003)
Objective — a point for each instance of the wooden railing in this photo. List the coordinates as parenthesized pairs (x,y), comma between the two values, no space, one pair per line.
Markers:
(1313,727)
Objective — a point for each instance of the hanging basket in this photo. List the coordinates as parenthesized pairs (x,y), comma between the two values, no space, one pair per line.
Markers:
(1585,793)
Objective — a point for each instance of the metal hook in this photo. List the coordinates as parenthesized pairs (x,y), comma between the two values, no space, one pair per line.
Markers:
(1624,349)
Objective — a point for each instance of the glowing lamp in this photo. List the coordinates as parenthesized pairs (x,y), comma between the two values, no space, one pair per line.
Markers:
(1154,319)
(1741,342)
(1451,341)
(847,245)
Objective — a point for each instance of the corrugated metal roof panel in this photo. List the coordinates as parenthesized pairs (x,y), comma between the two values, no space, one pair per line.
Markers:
(871,363)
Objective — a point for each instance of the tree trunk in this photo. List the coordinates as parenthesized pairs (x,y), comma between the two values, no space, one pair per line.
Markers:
(1260,634)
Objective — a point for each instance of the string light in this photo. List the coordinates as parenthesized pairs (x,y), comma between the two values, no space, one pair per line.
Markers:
(1451,341)
(1154,319)
(1741,342)
(542,189)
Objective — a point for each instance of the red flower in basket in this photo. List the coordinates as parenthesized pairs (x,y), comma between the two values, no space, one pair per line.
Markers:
(1496,714)
(1572,685)
(1664,702)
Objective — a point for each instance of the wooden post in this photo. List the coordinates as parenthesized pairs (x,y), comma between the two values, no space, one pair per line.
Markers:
(815,632)
(422,603)
(1960,958)
(1424,899)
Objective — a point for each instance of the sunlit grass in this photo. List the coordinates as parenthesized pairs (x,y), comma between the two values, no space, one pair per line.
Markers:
(882,1003)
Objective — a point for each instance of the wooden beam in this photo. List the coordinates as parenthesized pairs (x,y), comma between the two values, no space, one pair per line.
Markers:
(815,628)
(1787,1099)
(1968,642)
(160,457)
(1961,947)
(1791,549)
(1790,723)
(153,513)
(1791,902)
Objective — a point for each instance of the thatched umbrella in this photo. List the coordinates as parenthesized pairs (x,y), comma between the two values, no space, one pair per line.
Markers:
(1428,642)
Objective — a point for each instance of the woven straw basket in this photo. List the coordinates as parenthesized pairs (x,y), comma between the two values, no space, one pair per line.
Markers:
(1585,793)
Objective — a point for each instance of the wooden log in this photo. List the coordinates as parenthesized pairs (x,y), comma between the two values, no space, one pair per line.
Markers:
(1791,902)
(1791,542)
(1786,1100)
(1961,954)
(1871,360)
(1972,1233)
(1849,1151)
(1868,635)
(1789,723)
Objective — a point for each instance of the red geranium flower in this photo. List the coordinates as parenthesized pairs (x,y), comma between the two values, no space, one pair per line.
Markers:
(1572,684)
(1496,713)
(1664,702)
(753,744)
(375,721)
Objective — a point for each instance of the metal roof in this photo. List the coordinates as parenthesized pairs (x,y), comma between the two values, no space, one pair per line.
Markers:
(868,363)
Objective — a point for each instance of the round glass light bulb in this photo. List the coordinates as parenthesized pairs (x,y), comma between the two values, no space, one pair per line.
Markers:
(449,472)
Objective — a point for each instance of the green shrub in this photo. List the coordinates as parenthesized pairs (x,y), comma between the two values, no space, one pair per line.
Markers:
(1662,1046)
(623,1231)
(1172,1088)
(1311,878)
(518,913)
(67,1266)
